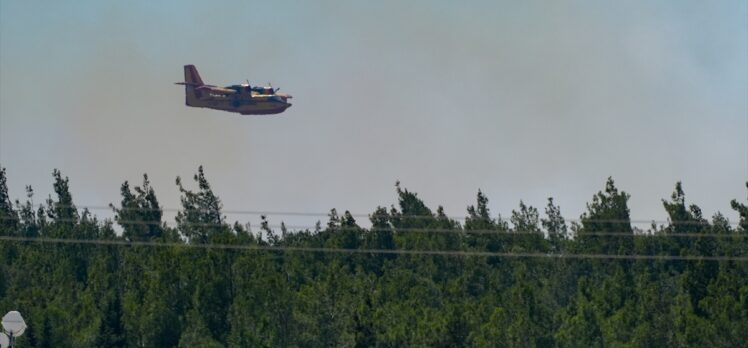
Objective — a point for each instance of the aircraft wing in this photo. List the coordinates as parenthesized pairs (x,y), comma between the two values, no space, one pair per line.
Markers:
(217,90)
(208,88)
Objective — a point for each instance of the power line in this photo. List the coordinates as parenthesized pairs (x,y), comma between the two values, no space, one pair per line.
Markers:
(302,228)
(455,253)
(356,215)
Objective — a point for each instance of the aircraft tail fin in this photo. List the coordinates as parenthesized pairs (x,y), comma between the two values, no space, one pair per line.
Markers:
(192,82)
(191,76)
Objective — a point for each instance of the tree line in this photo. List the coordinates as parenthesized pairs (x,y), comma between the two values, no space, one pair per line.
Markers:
(528,280)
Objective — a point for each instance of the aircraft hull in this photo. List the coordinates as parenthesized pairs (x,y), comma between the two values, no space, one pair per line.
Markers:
(265,112)
(258,108)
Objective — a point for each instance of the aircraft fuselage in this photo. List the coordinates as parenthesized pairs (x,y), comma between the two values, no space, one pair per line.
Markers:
(257,104)
(242,99)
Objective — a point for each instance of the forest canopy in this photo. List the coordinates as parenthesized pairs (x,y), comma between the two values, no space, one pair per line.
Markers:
(412,276)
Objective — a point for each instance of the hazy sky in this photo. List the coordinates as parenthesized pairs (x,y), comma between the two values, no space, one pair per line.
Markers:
(522,99)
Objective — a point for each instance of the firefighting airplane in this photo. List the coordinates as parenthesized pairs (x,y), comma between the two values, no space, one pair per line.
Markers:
(244,99)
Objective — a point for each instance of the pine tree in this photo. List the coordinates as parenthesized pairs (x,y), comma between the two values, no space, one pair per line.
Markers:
(9,219)
(140,213)
(555,226)
(200,218)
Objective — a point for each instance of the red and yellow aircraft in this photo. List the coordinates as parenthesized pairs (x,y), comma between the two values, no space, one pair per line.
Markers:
(244,99)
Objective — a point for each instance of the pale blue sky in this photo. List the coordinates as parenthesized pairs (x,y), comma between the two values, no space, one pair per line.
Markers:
(523,99)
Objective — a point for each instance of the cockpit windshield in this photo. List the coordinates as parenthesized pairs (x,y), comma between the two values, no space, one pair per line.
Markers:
(263,90)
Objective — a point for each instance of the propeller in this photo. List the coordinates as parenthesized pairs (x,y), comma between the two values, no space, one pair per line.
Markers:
(271,87)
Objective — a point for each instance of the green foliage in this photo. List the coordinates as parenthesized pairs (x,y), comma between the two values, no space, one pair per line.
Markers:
(742,209)
(555,225)
(200,217)
(183,293)
(140,213)
(8,216)
(608,212)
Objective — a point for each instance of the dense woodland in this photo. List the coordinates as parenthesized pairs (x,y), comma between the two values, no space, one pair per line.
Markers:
(530,279)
